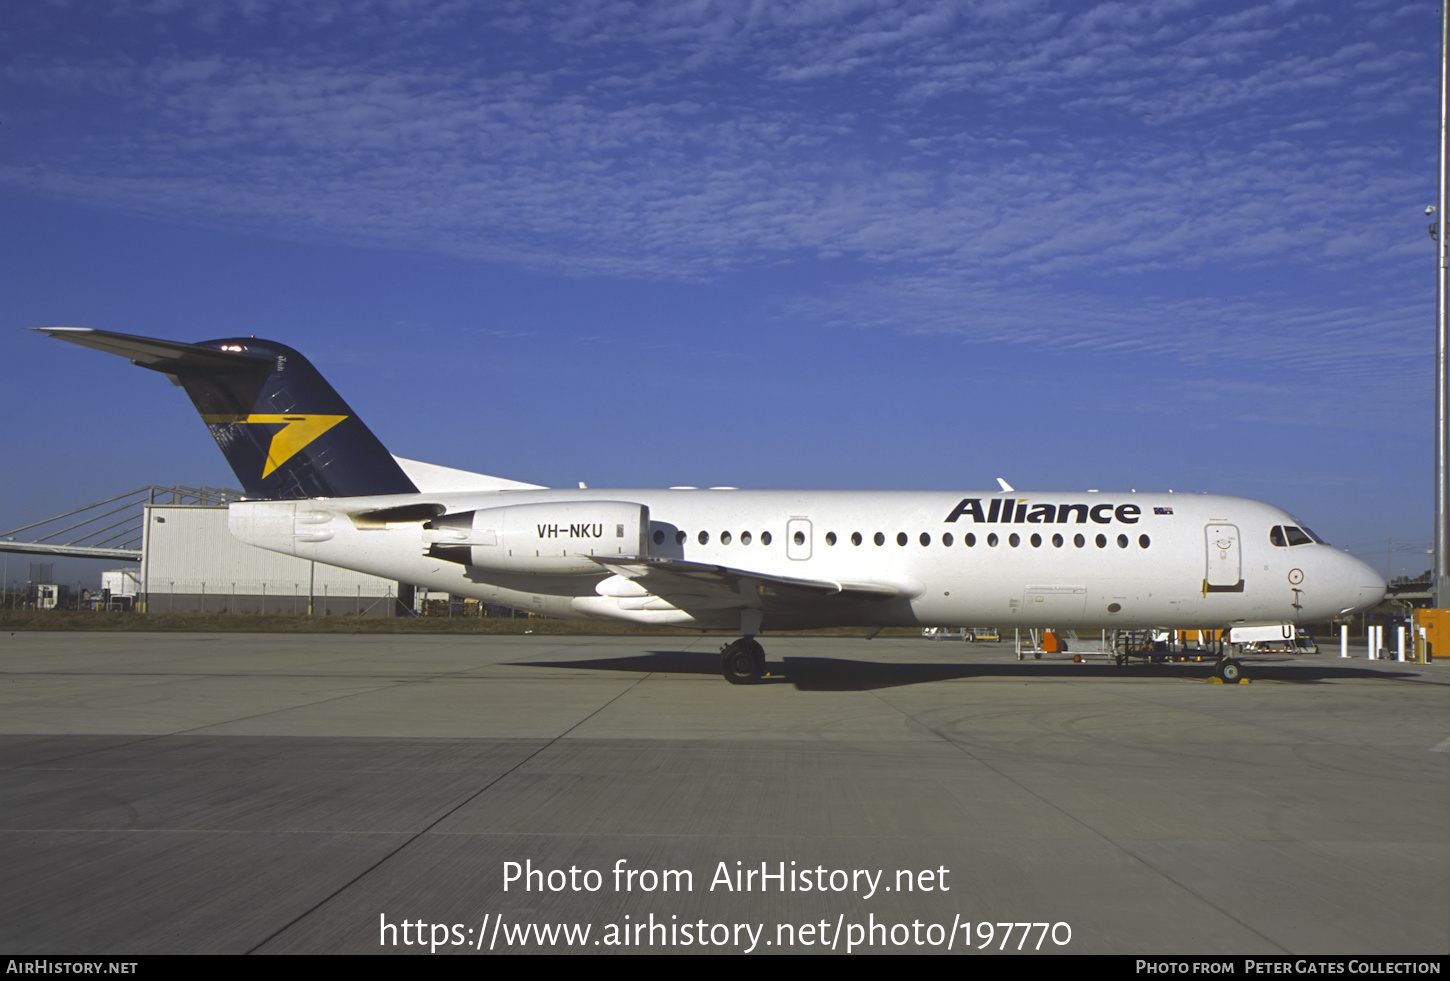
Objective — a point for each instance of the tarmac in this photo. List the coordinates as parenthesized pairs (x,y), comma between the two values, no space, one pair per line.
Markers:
(272,793)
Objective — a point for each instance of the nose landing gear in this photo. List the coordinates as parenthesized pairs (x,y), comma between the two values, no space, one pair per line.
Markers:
(1228,671)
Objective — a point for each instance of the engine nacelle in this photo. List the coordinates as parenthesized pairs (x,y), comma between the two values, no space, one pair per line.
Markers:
(551,538)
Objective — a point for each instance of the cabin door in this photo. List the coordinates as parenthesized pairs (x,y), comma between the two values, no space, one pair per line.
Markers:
(1225,563)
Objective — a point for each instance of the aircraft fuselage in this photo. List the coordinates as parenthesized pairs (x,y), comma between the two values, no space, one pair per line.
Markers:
(1087,560)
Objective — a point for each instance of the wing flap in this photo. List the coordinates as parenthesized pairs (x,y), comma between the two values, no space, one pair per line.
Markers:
(686,584)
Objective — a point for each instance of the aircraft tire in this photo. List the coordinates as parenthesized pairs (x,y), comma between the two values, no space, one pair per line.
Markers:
(743,662)
(1230,671)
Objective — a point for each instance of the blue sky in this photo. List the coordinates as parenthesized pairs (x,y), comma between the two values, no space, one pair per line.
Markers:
(837,243)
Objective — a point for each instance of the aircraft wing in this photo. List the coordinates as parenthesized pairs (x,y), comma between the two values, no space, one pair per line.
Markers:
(700,585)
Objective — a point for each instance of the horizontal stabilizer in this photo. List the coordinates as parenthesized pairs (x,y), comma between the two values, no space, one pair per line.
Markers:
(160,355)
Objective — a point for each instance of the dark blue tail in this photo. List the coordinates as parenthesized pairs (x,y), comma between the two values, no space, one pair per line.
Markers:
(281,426)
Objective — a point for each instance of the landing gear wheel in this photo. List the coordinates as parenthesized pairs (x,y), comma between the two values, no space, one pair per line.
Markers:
(1229,670)
(743,662)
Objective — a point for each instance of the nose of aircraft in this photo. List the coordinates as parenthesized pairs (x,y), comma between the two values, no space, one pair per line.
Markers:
(1365,587)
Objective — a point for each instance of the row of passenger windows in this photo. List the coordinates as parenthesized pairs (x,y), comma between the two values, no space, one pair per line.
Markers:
(902,538)
(725,538)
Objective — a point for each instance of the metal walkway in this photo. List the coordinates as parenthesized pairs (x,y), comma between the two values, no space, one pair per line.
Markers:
(109,529)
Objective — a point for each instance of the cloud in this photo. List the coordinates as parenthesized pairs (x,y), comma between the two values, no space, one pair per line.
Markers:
(960,158)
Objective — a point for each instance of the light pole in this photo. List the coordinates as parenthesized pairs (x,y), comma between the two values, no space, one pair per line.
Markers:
(1441,575)
(7,602)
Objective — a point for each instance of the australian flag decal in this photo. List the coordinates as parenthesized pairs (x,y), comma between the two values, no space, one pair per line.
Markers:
(1162,510)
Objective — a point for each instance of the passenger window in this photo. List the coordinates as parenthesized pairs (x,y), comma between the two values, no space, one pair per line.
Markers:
(1144,541)
(659,537)
(992,540)
(901,538)
(1057,541)
(1276,536)
(946,539)
(704,538)
(1014,539)
(724,538)
(1102,541)
(800,538)
(1122,541)
(879,538)
(971,540)
(680,537)
(925,539)
(1036,541)
(745,538)
(855,538)
(1079,541)
(830,538)
(765,538)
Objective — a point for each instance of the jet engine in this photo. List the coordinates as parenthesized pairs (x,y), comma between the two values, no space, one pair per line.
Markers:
(550,538)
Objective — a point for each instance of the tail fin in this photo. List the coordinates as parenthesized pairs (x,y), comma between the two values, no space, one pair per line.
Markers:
(281,426)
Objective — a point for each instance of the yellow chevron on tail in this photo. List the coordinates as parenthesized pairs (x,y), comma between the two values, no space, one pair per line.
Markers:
(287,442)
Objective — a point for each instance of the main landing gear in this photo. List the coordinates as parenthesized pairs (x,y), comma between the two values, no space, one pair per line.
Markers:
(743,662)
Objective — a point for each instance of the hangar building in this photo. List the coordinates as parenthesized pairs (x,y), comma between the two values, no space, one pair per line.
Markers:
(191,563)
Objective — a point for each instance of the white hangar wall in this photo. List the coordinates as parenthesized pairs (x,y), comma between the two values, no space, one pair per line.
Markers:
(191,563)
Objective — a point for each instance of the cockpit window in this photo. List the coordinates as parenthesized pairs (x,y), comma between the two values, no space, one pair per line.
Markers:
(1302,534)
(1297,536)
(1287,535)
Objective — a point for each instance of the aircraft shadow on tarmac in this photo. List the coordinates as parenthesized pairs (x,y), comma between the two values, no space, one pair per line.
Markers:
(841,674)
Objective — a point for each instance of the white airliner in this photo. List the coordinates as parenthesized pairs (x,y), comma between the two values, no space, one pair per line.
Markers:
(320,486)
